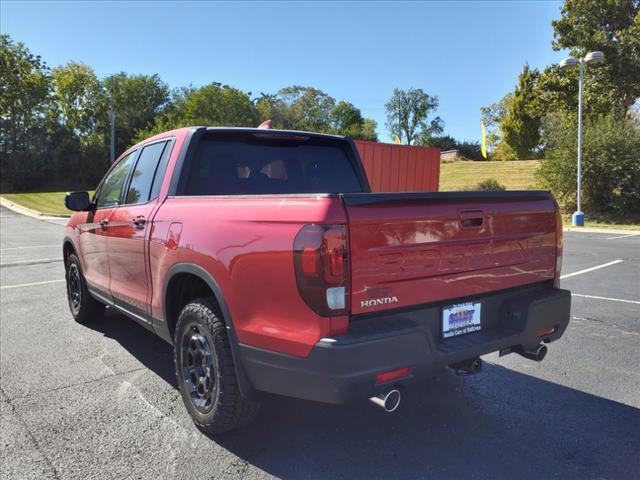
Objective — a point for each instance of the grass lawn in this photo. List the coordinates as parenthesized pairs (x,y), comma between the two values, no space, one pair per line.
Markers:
(45,202)
(463,175)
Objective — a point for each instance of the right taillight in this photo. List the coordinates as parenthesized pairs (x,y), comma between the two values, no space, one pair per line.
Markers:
(556,279)
(321,267)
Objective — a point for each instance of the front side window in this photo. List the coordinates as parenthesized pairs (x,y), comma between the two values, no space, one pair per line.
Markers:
(142,178)
(110,191)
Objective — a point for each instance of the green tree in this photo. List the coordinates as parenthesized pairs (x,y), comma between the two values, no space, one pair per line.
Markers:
(271,107)
(346,116)
(310,109)
(306,108)
(78,94)
(212,105)
(137,100)
(521,126)
(219,105)
(25,88)
(443,142)
(492,116)
(171,117)
(368,131)
(25,100)
(613,27)
(348,120)
(611,166)
(407,115)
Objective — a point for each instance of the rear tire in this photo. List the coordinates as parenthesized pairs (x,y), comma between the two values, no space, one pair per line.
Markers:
(206,372)
(83,306)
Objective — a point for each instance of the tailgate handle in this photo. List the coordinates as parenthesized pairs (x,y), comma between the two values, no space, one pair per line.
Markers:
(471,218)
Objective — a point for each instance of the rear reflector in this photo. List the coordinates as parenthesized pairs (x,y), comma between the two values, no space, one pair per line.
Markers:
(546,331)
(336,298)
(392,375)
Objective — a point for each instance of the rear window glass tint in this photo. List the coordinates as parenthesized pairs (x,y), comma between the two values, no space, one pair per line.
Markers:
(266,166)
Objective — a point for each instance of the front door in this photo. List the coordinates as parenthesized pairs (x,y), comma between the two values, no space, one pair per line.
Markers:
(93,249)
(93,234)
(129,229)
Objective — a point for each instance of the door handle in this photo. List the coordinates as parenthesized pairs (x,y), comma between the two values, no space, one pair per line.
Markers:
(104,223)
(139,221)
(471,218)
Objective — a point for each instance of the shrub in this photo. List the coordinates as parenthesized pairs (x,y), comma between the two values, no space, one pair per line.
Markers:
(610,164)
(490,184)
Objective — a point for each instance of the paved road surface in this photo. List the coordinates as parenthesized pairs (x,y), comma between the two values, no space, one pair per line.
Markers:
(101,401)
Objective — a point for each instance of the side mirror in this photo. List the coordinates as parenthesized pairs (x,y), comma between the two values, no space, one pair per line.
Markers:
(78,201)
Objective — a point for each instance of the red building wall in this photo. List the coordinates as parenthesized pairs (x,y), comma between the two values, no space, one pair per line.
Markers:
(400,168)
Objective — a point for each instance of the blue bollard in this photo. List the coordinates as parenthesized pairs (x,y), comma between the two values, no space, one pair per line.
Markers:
(577,219)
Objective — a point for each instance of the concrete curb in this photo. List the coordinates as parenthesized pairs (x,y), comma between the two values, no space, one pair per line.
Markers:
(601,230)
(14,207)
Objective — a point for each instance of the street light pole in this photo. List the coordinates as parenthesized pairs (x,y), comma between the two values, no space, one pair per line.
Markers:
(577,219)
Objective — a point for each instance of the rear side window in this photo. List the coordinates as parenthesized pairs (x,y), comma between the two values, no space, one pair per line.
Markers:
(144,173)
(251,165)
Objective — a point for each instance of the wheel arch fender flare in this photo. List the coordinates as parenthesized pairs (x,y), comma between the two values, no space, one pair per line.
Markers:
(68,241)
(246,389)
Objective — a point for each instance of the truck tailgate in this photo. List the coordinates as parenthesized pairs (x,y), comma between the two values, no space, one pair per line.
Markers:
(415,248)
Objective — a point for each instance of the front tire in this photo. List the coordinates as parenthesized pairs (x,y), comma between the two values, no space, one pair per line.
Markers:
(205,370)
(83,306)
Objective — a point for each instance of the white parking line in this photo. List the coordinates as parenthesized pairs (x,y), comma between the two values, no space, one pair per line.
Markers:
(586,270)
(29,246)
(623,236)
(606,298)
(33,284)
(35,261)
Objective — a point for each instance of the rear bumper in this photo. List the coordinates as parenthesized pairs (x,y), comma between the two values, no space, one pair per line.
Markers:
(344,368)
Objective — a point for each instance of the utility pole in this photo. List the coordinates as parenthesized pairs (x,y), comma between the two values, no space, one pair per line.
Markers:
(112,118)
(400,125)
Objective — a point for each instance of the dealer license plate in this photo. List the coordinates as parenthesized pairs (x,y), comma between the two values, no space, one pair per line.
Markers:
(460,319)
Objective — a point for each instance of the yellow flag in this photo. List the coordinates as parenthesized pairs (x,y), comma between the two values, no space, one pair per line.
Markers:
(484,141)
(396,139)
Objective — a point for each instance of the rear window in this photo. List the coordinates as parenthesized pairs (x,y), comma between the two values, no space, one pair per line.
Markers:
(254,165)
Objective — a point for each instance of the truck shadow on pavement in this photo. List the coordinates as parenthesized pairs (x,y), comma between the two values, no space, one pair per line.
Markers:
(498,424)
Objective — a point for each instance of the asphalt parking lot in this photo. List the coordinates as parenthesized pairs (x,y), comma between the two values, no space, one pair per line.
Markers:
(101,401)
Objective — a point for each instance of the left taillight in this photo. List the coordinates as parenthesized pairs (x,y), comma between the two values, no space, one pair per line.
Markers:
(321,265)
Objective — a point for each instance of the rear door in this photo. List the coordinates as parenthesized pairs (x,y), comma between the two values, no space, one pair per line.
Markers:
(129,227)
(409,249)
(93,234)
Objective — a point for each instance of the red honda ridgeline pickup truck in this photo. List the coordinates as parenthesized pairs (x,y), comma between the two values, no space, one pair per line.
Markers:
(265,260)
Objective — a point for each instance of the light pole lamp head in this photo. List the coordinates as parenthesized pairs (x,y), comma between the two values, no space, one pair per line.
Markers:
(568,62)
(594,57)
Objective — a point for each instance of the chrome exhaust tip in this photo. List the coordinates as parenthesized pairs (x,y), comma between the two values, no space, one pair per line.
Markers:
(388,401)
(537,354)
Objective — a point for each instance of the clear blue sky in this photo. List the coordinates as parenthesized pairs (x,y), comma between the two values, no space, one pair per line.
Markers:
(469,54)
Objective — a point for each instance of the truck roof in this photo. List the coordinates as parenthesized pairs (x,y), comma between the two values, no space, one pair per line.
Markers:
(183,131)
(245,129)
